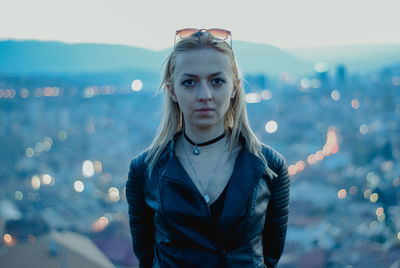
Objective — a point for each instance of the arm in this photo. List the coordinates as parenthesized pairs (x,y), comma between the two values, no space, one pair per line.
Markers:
(274,233)
(140,215)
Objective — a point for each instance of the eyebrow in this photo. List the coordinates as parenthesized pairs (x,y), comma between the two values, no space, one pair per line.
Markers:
(192,75)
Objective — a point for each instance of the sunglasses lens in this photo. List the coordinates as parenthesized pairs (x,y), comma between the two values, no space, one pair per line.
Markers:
(220,33)
(186,32)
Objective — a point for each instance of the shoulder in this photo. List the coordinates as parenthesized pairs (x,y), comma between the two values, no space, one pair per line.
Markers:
(276,163)
(139,161)
(275,160)
(138,169)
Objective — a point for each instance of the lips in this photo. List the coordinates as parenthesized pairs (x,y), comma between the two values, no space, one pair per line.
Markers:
(204,111)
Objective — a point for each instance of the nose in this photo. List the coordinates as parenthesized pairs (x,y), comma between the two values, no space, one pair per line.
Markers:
(204,92)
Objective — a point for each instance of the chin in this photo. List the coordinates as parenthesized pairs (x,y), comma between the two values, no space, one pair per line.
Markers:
(205,124)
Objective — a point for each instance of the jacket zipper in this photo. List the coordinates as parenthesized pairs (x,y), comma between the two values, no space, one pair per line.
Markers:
(222,251)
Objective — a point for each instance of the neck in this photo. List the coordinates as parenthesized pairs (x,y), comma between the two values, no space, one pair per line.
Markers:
(203,135)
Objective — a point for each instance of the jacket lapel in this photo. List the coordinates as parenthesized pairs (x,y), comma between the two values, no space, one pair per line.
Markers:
(174,168)
(243,181)
(176,171)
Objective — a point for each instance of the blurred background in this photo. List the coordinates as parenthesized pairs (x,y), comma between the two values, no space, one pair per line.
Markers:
(77,103)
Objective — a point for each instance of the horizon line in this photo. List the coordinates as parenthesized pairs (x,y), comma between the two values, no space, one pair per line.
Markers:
(283,47)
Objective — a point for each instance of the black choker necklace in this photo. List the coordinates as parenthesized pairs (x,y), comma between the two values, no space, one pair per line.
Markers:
(196,149)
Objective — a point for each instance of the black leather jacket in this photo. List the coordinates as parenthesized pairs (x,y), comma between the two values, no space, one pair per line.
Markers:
(171,224)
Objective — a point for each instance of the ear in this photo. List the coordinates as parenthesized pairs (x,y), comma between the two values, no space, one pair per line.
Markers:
(171,92)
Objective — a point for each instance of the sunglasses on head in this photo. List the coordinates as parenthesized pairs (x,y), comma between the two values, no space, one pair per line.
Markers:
(221,34)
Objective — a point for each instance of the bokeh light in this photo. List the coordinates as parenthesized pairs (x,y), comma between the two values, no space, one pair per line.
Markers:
(335,95)
(29,152)
(113,194)
(35,181)
(38,147)
(342,194)
(363,129)
(355,104)
(271,126)
(100,224)
(62,135)
(331,146)
(97,166)
(292,169)
(8,240)
(18,195)
(319,156)
(367,193)
(373,197)
(47,143)
(38,92)
(311,159)
(321,67)
(305,84)
(253,97)
(373,180)
(87,168)
(379,211)
(46,179)
(353,190)
(24,93)
(137,85)
(300,165)
(266,94)
(79,186)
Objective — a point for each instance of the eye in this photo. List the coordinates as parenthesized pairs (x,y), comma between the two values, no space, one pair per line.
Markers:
(188,83)
(218,81)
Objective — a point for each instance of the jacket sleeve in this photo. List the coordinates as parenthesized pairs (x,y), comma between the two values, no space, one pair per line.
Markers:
(274,233)
(140,215)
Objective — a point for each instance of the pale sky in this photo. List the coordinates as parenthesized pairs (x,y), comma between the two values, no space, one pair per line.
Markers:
(152,24)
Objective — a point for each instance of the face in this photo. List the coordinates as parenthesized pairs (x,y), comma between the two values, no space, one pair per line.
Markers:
(203,87)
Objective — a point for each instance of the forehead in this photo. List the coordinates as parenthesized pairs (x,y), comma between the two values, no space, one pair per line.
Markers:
(202,62)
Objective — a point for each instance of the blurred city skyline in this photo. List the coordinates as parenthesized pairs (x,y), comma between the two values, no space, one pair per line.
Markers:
(152,24)
(67,142)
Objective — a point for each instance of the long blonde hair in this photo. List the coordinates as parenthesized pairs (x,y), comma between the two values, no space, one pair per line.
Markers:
(172,119)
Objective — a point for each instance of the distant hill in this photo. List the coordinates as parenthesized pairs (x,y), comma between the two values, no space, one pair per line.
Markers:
(37,57)
(261,58)
(357,58)
(40,57)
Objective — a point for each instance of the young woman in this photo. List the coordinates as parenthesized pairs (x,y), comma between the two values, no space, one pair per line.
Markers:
(207,192)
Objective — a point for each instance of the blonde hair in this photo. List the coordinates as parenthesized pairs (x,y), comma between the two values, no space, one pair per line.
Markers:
(172,119)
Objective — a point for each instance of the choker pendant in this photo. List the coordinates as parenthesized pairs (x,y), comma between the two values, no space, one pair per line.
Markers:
(196,150)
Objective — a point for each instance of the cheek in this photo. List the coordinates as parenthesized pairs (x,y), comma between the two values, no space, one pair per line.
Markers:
(226,98)
(227,103)
(182,103)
